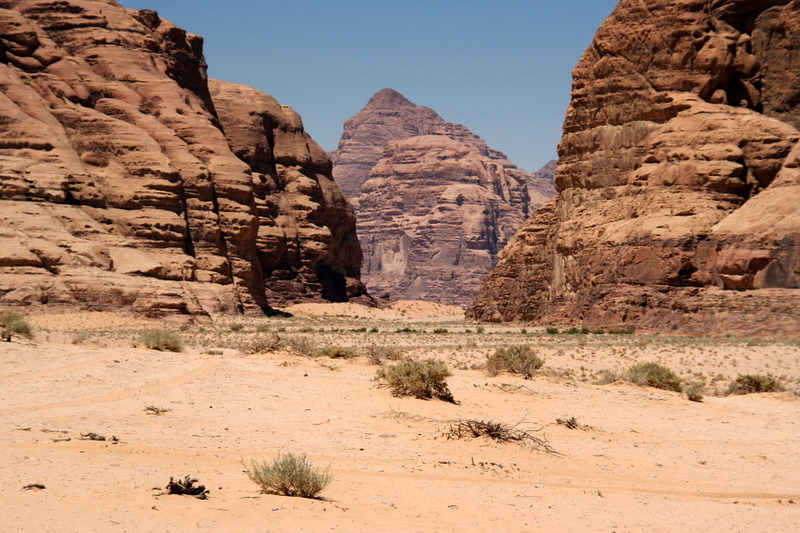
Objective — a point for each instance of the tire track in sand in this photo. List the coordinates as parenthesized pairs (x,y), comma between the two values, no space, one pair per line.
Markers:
(207,367)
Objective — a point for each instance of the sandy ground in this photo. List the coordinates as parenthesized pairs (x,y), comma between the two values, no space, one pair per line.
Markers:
(644,460)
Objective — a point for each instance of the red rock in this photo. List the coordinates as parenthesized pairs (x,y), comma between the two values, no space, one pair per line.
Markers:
(435,204)
(116,174)
(676,176)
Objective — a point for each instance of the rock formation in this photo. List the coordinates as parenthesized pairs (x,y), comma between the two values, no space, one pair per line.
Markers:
(435,204)
(678,179)
(120,189)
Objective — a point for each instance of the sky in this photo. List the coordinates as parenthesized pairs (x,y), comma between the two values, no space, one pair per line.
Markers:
(502,68)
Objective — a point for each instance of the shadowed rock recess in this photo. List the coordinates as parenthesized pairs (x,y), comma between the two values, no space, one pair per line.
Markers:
(435,204)
(678,179)
(128,180)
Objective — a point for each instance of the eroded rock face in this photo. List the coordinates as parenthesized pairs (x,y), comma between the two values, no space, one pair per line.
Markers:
(678,179)
(435,204)
(118,187)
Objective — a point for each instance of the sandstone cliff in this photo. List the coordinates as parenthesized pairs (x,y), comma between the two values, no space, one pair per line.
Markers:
(118,187)
(678,179)
(434,203)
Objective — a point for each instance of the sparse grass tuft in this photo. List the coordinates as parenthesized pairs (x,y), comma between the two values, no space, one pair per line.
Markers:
(161,340)
(289,475)
(15,323)
(752,383)
(420,379)
(654,375)
(514,359)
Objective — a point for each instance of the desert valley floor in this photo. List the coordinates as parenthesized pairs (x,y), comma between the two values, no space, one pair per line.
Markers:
(642,459)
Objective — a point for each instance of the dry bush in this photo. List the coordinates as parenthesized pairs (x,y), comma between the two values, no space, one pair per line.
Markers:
(14,323)
(262,344)
(420,379)
(377,354)
(514,359)
(472,429)
(186,486)
(338,352)
(303,345)
(752,383)
(653,375)
(160,339)
(289,475)
(694,391)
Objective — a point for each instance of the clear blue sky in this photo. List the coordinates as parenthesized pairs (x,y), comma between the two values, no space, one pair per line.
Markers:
(502,68)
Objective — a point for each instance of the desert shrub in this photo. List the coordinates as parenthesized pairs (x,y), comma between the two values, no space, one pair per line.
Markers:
(441,330)
(473,429)
(420,379)
(598,331)
(15,323)
(236,326)
(624,331)
(694,391)
(551,331)
(751,383)
(338,352)
(608,376)
(514,359)
(186,486)
(289,475)
(653,375)
(407,330)
(160,339)
(303,345)
(377,354)
(262,344)
(576,331)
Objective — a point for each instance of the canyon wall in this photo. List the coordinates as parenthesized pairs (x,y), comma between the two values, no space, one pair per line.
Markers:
(435,204)
(678,178)
(119,188)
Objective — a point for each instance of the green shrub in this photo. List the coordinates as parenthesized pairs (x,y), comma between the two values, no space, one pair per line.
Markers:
(420,379)
(751,383)
(338,352)
(514,359)
(15,323)
(289,475)
(236,327)
(440,330)
(551,331)
(162,340)
(654,375)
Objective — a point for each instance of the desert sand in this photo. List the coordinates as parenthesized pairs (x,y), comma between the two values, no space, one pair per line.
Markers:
(643,459)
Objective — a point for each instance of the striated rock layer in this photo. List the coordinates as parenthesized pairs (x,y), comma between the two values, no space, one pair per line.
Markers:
(119,188)
(678,179)
(435,204)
